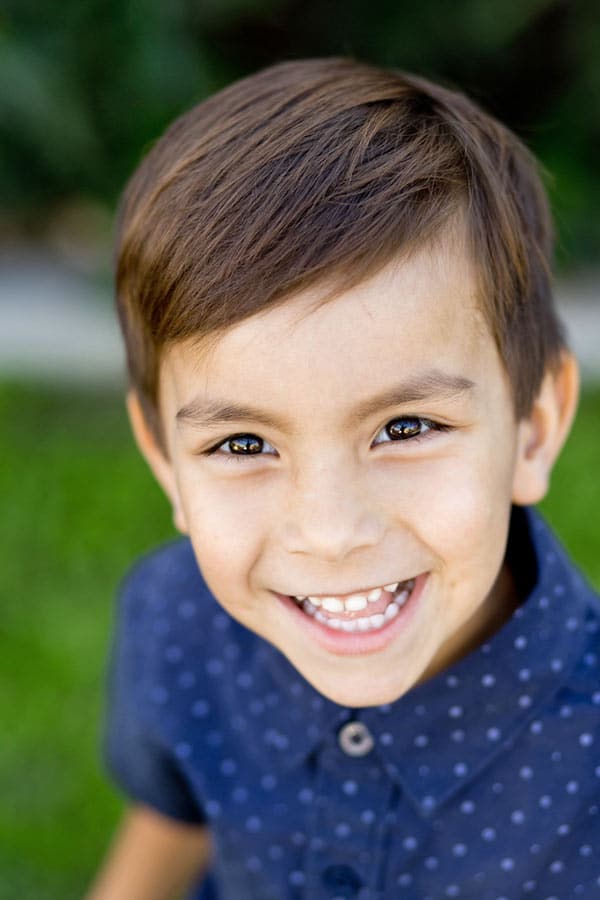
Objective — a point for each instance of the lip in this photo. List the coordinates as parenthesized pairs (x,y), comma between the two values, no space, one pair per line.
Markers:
(344,643)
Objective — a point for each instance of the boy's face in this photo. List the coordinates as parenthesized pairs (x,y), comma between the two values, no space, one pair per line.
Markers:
(380,447)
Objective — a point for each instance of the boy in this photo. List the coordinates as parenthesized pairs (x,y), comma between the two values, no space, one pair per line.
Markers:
(371,670)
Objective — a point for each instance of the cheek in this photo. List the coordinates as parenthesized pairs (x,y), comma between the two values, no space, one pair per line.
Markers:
(227,526)
(460,511)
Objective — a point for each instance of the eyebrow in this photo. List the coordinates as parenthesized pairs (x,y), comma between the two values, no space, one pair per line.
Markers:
(427,386)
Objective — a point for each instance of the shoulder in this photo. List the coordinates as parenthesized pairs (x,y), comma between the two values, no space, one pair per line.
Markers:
(163,597)
(171,566)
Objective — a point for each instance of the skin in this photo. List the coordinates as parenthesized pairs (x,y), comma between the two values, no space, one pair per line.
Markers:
(331,505)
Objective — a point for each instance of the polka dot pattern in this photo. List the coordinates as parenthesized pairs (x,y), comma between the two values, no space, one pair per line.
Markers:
(483,782)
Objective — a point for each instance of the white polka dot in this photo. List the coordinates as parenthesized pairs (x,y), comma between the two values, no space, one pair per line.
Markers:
(350,788)
(296,878)
(586,740)
(268,782)
(409,843)
(215,667)
(488,834)
(228,767)
(455,712)
(244,680)
(186,680)
(213,808)
(186,610)
(459,850)
(231,651)
(253,864)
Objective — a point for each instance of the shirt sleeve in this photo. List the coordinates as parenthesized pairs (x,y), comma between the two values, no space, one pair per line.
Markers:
(134,754)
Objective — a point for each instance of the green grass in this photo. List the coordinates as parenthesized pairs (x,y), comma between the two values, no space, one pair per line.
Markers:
(78,505)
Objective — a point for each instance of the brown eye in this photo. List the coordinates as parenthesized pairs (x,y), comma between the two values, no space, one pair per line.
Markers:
(406,427)
(245,444)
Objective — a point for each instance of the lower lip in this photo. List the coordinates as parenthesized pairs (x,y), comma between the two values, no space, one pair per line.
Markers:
(355,643)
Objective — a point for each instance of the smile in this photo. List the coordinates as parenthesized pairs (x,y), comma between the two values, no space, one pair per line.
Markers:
(359,612)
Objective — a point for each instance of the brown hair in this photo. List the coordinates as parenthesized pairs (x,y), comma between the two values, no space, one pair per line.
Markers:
(320,169)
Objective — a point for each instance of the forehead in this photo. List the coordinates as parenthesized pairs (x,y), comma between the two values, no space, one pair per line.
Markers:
(415,315)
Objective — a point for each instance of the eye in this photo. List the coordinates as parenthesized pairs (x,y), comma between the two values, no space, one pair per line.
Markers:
(239,446)
(406,428)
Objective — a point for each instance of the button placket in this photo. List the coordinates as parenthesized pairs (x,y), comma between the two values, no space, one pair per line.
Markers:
(351,799)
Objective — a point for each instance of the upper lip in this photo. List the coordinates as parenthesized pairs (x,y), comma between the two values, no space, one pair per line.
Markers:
(352,591)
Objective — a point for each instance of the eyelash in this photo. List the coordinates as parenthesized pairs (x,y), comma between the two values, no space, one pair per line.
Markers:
(431,426)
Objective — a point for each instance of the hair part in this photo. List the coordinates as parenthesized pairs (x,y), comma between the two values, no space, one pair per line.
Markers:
(323,171)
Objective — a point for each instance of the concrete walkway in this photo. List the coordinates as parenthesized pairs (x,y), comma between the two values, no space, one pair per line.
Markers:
(57,326)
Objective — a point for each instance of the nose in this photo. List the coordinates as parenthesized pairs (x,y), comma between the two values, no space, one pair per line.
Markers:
(330,513)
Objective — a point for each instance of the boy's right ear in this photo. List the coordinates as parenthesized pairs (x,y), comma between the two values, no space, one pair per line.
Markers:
(155,456)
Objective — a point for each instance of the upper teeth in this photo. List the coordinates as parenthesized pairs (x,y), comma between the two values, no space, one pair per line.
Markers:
(353,603)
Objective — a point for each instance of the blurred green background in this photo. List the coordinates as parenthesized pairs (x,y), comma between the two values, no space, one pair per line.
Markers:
(87,86)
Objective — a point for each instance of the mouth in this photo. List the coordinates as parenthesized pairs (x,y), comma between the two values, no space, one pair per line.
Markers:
(361,611)
(363,622)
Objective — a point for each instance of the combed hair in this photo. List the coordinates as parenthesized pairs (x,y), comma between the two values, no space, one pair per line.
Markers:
(325,170)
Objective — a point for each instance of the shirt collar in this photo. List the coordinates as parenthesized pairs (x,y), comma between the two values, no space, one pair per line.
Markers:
(443,733)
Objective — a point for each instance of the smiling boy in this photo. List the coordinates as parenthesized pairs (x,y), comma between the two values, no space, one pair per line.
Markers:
(347,374)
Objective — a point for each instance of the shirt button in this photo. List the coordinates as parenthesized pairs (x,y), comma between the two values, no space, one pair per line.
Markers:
(355,739)
(342,880)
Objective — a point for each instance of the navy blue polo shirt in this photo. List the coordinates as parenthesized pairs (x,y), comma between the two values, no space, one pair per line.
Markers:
(483,782)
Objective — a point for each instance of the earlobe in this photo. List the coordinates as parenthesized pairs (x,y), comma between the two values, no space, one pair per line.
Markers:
(542,434)
(157,459)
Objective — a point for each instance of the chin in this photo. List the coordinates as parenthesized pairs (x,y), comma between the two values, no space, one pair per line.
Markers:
(360,696)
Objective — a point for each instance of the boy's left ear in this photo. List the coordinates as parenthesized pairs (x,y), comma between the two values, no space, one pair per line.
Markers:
(543,432)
